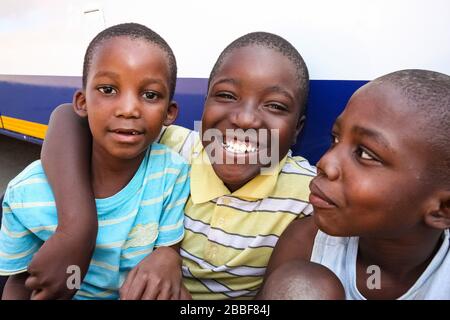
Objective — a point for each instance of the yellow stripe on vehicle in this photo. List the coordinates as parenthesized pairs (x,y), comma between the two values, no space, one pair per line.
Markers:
(28,128)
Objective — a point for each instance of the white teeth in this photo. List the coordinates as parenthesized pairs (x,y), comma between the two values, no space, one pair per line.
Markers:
(134,133)
(238,147)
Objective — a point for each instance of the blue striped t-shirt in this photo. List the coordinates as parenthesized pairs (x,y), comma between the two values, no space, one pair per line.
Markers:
(147,212)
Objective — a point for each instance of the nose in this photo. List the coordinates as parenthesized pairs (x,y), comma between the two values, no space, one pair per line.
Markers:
(246,115)
(328,165)
(128,106)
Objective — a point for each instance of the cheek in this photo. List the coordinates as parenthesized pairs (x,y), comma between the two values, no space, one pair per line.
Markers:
(375,200)
(366,192)
(212,115)
(99,107)
(95,116)
(154,118)
(286,134)
(154,113)
(95,100)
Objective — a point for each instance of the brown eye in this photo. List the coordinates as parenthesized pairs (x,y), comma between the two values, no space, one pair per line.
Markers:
(150,95)
(363,154)
(107,90)
(225,96)
(334,139)
(276,106)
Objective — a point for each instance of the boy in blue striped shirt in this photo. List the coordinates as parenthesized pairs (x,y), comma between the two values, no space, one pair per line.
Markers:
(140,186)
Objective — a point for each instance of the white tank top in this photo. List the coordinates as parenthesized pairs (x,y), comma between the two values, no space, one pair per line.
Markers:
(339,255)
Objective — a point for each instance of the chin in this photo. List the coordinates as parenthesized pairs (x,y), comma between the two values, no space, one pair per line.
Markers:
(328,226)
(235,174)
(127,154)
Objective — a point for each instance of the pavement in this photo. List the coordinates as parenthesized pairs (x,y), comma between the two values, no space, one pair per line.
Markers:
(15,155)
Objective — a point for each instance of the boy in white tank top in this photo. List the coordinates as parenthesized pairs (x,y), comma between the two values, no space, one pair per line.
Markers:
(382,194)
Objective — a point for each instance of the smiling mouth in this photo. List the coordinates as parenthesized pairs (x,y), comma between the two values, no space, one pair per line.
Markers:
(130,132)
(239,147)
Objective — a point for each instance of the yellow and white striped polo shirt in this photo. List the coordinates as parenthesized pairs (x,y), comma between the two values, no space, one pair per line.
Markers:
(230,236)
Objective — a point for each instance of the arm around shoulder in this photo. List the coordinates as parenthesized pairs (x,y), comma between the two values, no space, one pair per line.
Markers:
(66,157)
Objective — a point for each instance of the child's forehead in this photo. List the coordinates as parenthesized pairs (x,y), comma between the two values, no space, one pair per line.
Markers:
(125,48)
(384,99)
(258,63)
(251,52)
(123,42)
(124,57)
(382,109)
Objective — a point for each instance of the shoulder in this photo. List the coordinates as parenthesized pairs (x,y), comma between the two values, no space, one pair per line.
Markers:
(30,187)
(296,171)
(296,242)
(178,138)
(33,170)
(31,176)
(301,232)
(299,165)
(167,167)
(173,131)
(181,140)
(166,157)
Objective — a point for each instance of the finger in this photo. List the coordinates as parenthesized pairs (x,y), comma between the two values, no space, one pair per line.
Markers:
(151,291)
(32,271)
(164,294)
(184,293)
(176,296)
(136,289)
(33,283)
(66,296)
(176,292)
(36,265)
(127,284)
(40,295)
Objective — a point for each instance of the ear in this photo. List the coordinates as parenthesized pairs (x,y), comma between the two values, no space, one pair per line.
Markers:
(298,129)
(79,103)
(172,113)
(438,215)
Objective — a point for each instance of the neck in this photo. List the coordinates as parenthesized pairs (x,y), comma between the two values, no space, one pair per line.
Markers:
(109,173)
(401,262)
(401,257)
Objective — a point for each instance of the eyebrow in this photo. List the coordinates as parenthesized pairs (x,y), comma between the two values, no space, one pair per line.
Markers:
(148,81)
(106,74)
(276,89)
(372,134)
(336,124)
(226,80)
(282,91)
(144,82)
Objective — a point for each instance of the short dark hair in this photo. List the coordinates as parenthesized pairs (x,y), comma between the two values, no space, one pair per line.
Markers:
(428,93)
(275,42)
(133,31)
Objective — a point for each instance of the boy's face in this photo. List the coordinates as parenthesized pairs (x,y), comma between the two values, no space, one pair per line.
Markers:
(371,182)
(126,97)
(254,88)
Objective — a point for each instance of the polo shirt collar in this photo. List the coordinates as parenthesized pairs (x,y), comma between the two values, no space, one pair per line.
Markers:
(206,185)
